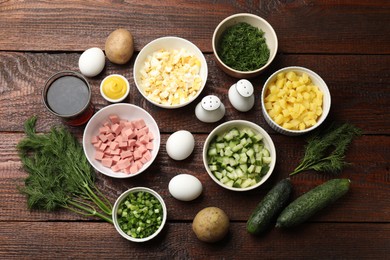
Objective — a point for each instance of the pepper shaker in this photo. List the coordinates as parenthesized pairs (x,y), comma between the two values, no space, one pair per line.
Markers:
(241,95)
(210,109)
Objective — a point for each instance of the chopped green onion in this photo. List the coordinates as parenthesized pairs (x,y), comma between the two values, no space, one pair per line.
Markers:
(140,214)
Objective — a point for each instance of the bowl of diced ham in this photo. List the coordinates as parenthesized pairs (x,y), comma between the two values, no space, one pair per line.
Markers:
(121,140)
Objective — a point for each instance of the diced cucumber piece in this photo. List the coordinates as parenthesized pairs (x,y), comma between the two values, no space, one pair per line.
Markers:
(267,160)
(238,157)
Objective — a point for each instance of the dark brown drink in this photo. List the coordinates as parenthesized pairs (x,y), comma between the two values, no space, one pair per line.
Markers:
(67,94)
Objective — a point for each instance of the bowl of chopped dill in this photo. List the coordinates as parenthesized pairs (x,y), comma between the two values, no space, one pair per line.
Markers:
(244,45)
(139,214)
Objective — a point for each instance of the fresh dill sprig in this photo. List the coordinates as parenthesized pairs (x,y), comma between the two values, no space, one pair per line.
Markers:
(325,150)
(59,175)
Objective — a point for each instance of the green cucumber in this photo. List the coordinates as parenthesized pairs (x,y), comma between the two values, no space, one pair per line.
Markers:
(269,208)
(238,157)
(311,202)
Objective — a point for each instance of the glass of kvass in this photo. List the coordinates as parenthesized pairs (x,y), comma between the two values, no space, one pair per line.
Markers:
(67,94)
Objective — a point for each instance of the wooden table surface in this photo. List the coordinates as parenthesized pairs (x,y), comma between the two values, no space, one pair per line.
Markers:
(346,42)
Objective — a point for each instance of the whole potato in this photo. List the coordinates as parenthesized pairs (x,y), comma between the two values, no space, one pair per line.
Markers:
(119,46)
(211,224)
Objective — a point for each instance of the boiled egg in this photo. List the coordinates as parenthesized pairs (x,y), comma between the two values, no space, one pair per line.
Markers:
(180,145)
(91,62)
(185,187)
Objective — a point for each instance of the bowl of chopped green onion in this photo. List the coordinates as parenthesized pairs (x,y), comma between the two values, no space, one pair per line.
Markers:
(139,214)
(239,155)
(244,45)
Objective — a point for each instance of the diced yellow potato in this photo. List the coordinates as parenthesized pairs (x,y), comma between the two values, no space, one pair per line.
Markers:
(293,102)
(280,75)
(288,125)
(291,76)
(268,105)
(279,119)
(280,83)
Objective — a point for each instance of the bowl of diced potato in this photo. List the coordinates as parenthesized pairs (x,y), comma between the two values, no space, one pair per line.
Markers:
(295,100)
(170,72)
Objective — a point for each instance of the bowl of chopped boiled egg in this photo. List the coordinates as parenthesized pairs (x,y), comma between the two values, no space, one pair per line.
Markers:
(170,72)
(295,100)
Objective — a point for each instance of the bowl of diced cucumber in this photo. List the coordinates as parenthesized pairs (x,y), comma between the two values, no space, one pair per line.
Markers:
(239,155)
(139,214)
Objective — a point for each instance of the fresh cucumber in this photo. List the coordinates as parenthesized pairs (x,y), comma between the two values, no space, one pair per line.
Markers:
(269,208)
(238,157)
(311,202)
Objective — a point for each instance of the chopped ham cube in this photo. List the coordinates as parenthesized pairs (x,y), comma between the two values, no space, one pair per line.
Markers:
(99,155)
(114,145)
(114,119)
(94,139)
(122,145)
(110,137)
(149,145)
(107,162)
(133,169)
(122,164)
(103,138)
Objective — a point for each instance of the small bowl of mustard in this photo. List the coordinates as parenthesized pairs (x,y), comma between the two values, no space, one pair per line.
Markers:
(114,88)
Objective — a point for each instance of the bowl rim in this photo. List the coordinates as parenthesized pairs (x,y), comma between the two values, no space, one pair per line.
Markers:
(246,73)
(324,89)
(198,54)
(122,197)
(86,142)
(119,99)
(241,123)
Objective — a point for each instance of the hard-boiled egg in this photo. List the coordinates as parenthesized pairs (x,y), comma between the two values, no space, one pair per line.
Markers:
(180,145)
(92,62)
(185,187)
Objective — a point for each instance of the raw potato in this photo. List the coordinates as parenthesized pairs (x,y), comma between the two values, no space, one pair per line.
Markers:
(211,224)
(119,46)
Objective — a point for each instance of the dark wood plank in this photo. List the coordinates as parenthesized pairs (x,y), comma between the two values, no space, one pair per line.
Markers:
(302,27)
(358,85)
(367,201)
(99,241)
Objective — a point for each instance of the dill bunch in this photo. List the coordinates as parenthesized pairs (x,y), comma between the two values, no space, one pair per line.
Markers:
(325,150)
(59,174)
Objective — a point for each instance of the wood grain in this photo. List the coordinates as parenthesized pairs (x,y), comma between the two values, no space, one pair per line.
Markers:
(345,42)
(354,90)
(369,174)
(35,240)
(346,26)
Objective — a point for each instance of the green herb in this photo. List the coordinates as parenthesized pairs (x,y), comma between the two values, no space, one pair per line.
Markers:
(59,175)
(325,150)
(243,47)
(140,214)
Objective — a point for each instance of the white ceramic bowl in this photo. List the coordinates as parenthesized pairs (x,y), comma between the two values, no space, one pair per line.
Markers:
(124,111)
(239,124)
(168,43)
(316,80)
(122,197)
(119,99)
(256,21)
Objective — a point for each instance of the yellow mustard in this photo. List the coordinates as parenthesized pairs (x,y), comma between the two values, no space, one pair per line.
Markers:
(114,87)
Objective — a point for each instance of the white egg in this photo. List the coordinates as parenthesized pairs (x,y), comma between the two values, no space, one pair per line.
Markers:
(180,145)
(91,62)
(185,187)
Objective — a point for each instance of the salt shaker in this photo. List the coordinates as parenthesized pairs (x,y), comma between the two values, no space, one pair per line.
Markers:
(210,109)
(241,95)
